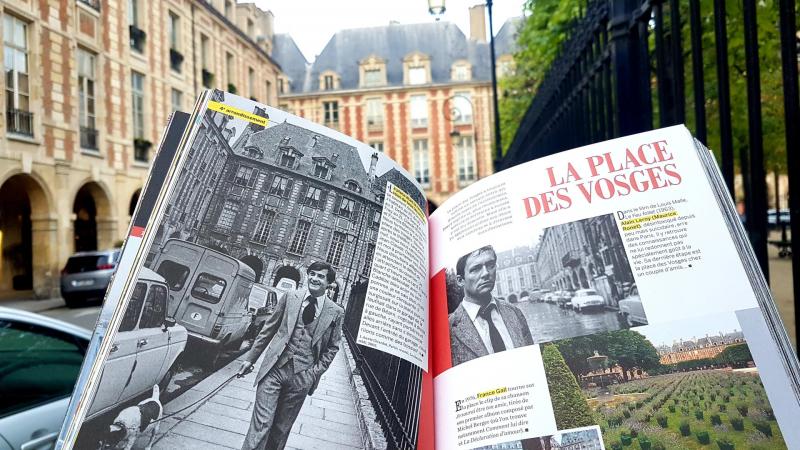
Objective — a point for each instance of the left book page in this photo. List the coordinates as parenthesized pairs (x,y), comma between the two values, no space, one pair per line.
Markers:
(265,299)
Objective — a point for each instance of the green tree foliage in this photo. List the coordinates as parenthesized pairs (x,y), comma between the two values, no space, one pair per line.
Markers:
(569,404)
(626,348)
(548,25)
(736,356)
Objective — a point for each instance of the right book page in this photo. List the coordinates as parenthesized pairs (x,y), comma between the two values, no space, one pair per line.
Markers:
(596,298)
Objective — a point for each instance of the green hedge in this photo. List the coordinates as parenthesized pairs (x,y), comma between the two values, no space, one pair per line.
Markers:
(569,405)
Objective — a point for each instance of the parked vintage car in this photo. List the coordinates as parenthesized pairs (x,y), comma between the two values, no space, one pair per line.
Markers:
(631,310)
(86,275)
(41,359)
(586,299)
(144,348)
(564,299)
(209,293)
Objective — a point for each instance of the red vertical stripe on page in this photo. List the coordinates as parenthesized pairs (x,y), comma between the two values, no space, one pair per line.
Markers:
(439,326)
(137,231)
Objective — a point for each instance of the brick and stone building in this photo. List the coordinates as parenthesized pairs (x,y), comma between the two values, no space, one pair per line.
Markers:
(421,93)
(698,348)
(89,86)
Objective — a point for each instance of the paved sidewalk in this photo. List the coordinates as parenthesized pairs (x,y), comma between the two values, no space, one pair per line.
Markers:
(327,420)
(34,305)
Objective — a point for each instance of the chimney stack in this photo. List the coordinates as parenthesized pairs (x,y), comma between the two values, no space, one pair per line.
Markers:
(477,23)
(373,163)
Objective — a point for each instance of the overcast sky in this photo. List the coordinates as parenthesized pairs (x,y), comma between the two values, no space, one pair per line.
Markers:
(690,328)
(312,22)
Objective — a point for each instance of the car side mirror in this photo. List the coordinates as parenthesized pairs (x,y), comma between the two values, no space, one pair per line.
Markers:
(168,323)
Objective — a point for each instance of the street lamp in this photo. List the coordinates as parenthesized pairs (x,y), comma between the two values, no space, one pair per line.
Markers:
(436,8)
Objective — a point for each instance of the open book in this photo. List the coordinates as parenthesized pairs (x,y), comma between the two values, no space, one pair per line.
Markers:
(283,286)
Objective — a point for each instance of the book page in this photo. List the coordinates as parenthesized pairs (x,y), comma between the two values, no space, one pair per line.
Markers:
(266,306)
(599,288)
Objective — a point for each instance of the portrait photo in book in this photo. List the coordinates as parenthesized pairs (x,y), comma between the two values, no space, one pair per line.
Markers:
(251,295)
(569,280)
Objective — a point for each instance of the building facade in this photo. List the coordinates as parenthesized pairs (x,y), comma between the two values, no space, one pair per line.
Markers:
(420,93)
(88,89)
(585,254)
(703,348)
(516,273)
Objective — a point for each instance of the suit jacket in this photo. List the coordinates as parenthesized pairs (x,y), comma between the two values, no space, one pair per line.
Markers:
(277,330)
(465,341)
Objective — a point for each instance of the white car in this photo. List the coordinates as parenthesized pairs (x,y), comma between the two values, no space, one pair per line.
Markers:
(41,359)
(587,299)
(144,348)
(631,309)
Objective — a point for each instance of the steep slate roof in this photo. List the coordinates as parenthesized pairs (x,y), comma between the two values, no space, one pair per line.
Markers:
(293,63)
(505,41)
(443,42)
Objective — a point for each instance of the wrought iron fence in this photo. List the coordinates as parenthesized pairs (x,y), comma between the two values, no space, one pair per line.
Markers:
(393,384)
(625,69)
(20,122)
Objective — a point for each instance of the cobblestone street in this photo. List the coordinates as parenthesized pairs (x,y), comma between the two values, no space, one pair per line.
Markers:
(548,322)
(327,420)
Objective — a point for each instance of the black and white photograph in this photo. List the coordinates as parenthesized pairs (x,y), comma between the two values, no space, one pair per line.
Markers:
(570,280)
(241,329)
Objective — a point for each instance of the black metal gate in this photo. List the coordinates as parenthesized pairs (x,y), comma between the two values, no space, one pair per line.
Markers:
(394,385)
(624,71)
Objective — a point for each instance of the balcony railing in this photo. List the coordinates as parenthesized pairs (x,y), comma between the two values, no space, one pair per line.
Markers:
(138,37)
(19,122)
(93,3)
(88,138)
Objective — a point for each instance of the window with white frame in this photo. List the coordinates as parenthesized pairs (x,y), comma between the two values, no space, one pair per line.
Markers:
(374,112)
(228,215)
(301,232)
(336,249)
(462,108)
(373,77)
(331,112)
(377,145)
(15,48)
(263,226)
(465,149)
(419,111)
(421,162)
(321,170)
(245,176)
(346,207)
(368,259)
(328,82)
(461,72)
(137,101)
(417,75)
(314,197)
(86,99)
(174,30)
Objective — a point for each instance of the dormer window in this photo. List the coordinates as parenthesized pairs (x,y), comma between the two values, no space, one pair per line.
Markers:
(323,168)
(416,75)
(416,68)
(461,71)
(328,81)
(372,72)
(352,185)
(289,156)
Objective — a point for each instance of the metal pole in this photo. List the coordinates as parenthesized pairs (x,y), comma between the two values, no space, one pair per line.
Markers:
(724,95)
(791,108)
(497,141)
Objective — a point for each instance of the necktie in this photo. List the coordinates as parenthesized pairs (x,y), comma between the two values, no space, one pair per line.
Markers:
(497,341)
(310,310)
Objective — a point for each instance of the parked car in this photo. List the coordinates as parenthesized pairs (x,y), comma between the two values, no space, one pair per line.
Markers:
(631,310)
(86,276)
(772,217)
(261,304)
(209,293)
(41,359)
(585,299)
(286,285)
(144,348)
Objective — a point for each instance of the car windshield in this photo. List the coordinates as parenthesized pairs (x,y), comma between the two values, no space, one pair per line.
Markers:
(85,263)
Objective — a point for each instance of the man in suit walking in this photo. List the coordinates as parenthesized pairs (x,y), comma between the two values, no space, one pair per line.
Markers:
(301,338)
(483,324)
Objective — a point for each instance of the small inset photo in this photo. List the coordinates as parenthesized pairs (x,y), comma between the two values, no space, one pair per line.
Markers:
(563,281)
(578,439)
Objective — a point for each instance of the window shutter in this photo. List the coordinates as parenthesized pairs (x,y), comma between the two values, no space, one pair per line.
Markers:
(253,178)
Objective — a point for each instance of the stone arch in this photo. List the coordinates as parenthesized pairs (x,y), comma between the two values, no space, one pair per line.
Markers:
(134,201)
(255,263)
(287,271)
(28,228)
(91,209)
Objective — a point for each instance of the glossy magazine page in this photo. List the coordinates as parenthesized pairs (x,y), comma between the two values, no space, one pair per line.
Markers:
(601,298)
(266,305)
